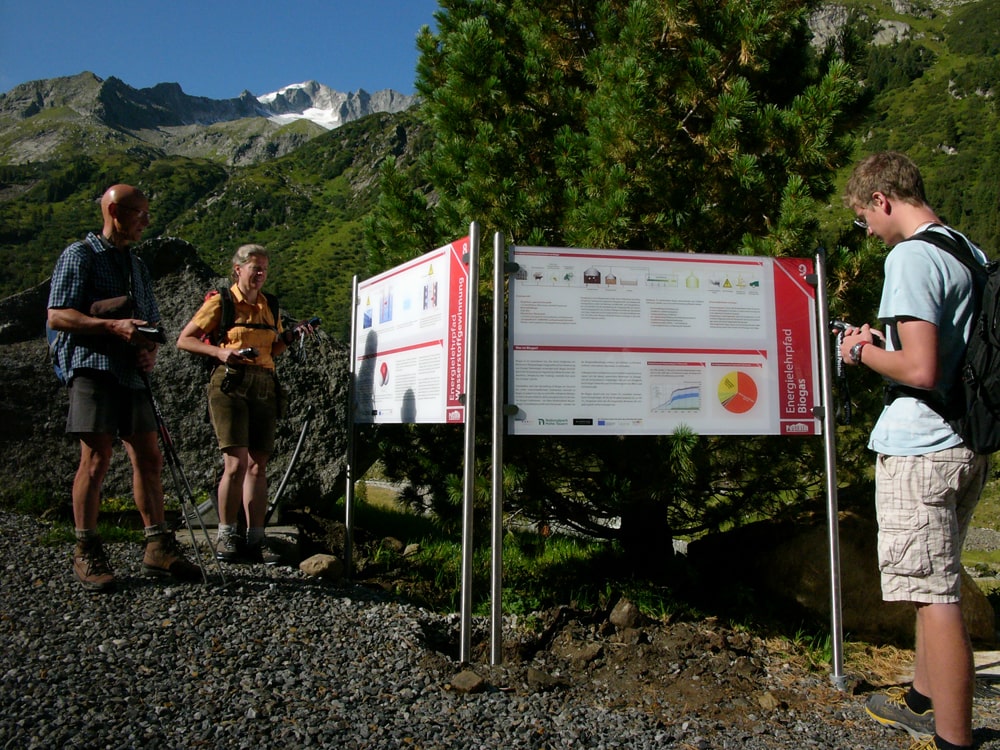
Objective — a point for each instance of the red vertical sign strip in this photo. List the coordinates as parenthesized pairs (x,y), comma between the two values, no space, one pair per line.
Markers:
(458,298)
(795,322)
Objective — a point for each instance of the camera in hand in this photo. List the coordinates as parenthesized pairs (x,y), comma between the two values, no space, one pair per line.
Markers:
(153,333)
(314,322)
(248,353)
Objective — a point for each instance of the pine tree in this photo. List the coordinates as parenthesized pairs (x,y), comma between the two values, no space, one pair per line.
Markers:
(674,125)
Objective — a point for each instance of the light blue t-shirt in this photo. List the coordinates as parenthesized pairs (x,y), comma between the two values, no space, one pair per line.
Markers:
(927,283)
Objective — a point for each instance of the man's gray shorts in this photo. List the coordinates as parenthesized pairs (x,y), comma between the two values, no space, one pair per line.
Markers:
(924,505)
(98,403)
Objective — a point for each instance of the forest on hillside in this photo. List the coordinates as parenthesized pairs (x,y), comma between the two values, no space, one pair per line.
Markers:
(930,94)
(934,96)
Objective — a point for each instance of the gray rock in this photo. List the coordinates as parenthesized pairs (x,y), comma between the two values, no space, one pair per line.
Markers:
(891,32)
(323,566)
(38,460)
(467,681)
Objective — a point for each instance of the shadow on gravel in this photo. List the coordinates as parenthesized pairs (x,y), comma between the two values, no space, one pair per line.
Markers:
(984,735)
(243,586)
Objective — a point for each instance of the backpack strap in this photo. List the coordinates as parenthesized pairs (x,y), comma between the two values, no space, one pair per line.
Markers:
(957,247)
(227,321)
(228,312)
(272,302)
(218,335)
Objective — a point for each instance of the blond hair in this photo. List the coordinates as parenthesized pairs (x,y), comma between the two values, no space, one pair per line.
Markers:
(243,254)
(888,172)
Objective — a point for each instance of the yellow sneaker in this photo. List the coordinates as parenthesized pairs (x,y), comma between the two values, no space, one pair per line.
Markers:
(890,710)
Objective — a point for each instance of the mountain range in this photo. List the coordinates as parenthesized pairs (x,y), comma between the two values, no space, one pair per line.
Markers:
(298,169)
(39,119)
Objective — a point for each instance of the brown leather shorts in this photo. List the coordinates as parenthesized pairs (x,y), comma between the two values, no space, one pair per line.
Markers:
(245,414)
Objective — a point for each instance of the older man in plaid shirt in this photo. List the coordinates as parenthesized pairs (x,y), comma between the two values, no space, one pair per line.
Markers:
(100,295)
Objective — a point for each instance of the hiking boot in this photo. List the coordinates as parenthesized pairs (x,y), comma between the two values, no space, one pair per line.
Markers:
(270,554)
(265,552)
(890,710)
(229,548)
(91,566)
(164,557)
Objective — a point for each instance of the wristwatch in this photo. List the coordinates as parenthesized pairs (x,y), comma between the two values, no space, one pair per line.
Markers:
(856,351)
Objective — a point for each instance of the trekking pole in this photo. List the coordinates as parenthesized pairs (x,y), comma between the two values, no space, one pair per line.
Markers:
(291,464)
(299,354)
(184,491)
(843,392)
(201,509)
(300,357)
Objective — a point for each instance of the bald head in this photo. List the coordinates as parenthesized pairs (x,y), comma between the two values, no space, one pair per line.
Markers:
(121,195)
(126,214)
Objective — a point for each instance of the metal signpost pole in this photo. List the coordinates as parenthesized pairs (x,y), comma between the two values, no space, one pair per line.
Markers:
(469,483)
(496,524)
(349,458)
(829,441)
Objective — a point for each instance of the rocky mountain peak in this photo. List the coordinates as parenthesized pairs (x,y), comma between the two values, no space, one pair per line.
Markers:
(29,99)
(165,117)
(326,107)
(166,105)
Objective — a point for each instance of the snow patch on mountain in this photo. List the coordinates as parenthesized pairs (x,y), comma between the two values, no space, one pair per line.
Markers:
(326,107)
(325,118)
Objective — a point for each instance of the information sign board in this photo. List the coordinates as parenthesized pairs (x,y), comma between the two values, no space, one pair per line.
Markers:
(410,338)
(620,342)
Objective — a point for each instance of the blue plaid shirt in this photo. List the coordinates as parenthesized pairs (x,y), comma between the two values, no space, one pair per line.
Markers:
(86,272)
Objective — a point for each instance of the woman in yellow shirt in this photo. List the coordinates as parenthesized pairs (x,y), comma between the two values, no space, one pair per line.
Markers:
(242,399)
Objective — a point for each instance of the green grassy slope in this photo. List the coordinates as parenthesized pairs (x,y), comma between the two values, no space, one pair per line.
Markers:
(934,96)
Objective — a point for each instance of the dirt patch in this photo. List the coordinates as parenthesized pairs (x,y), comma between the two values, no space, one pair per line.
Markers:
(668,668)
(684,673)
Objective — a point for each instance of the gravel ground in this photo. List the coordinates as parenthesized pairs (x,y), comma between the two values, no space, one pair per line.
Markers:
(987,540)
(278,660)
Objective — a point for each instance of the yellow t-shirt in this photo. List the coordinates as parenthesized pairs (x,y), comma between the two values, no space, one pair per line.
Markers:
(209,317)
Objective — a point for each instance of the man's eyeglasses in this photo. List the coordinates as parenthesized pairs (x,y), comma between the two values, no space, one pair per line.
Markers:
(139,212)
(861,224)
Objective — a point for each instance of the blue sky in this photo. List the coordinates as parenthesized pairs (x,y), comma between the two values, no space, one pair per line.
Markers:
(216,48)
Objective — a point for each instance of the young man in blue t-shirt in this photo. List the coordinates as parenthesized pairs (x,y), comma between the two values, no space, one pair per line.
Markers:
(927,481)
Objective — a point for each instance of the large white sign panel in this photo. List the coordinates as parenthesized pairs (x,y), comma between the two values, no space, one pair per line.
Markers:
(616,342)
(409,340)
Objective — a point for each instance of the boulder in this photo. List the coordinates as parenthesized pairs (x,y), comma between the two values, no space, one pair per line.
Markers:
(790,562)
(323,566)
(625,615)
(38,460)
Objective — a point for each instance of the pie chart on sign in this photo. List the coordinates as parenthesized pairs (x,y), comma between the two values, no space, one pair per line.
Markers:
(737,392)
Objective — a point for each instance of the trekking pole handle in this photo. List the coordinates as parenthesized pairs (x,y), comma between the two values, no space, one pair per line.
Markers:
(296,330)
(844,410)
